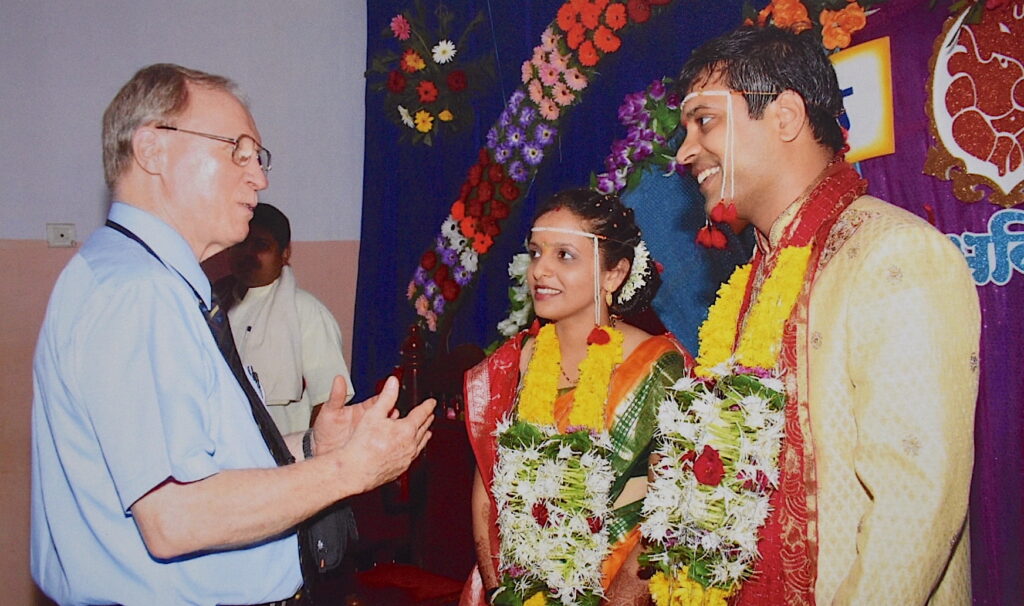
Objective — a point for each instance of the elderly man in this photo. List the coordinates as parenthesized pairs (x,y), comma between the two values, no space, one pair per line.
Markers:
(871,318)
(290,339)
(152,484)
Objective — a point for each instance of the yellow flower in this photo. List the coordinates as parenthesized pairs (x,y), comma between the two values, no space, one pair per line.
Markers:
(540,385)
(536,599)
(718,333)
(424,121)
(685,591)
(595,374)
(446,116)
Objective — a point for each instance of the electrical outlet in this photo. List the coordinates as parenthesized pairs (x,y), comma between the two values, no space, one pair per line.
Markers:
(60,235)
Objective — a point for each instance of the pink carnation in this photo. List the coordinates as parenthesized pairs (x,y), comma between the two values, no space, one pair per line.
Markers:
(574,79)
(527,71)
(548,74)
(562,95)
(560,62)
(422,305)
(549,39)
(548,109)
(536,90)
(400,27)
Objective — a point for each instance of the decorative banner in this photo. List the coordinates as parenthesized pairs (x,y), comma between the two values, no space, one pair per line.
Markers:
(865,77)
(994,256)
(976,106)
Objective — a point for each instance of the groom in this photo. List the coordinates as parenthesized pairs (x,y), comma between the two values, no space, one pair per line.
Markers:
(880,354)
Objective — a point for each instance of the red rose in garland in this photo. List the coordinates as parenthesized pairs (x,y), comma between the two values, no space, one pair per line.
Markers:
(708,467)
(396,82)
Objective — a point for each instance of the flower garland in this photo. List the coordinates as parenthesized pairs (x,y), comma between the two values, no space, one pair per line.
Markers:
(552,492)
(834,20)
(540,385)
(719,441)
(552,489)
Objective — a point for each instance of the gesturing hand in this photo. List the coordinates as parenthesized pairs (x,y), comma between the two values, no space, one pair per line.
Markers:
(373,445)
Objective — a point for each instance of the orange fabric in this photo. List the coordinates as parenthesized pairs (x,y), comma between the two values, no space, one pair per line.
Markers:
(620,552)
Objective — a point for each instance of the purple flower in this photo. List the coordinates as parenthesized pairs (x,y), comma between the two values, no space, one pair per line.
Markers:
(544,134)
(430,289)
(516,98)
(532,153)
(449,257)
(493,137)
(439,305)
(672,101)
(632,109)
(656,90)
(517,171)
(502,153)
(514,135)
(636,135)
(420,276)
(461,275)
(526,115)
(643,150)
(506,117)
(610,182)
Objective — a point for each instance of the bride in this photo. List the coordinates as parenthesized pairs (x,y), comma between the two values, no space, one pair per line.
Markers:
(561,417)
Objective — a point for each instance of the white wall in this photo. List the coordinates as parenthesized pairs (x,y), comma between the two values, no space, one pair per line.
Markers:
(300,63)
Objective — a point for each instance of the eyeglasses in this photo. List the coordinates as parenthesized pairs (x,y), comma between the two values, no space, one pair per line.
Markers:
(245,147)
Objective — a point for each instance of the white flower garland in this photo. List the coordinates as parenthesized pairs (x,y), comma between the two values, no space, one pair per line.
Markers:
(737,420)
(552,500)
(521,303)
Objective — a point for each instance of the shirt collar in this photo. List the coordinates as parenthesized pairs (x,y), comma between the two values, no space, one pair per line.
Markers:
(167,243)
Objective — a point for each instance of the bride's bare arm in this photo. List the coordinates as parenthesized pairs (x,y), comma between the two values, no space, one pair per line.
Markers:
(481,508)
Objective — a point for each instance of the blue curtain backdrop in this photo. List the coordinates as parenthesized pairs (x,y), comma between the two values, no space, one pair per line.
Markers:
(408,192)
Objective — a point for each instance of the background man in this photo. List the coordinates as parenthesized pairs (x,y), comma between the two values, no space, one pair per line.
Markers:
(285,334)
(880,354)
(152,484)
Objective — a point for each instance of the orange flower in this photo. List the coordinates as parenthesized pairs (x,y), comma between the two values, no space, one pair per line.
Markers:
(838,26)
(482,243)
(468,226)
(590,16)
(567,16)
(411,62)
(575,36)
(588,54)
(615,16)
(605,40)
(790,14)
(459,210)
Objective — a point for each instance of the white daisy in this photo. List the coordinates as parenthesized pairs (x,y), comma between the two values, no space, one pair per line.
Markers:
(406,117)
(444,51)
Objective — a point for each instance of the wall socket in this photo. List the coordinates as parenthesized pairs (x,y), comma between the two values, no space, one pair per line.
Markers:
(60,235)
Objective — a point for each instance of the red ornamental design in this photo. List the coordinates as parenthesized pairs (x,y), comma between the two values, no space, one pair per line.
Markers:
(977,106)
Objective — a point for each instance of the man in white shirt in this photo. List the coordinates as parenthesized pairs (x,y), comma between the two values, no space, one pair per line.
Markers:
(288,337)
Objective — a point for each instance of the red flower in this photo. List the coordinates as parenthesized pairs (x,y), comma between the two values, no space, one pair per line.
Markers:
(709,468)
(450,290)
(639,10)
(509,191)
(489,225)
(588,54)
(441,274)
(688,457)
(598,337)
(615,16)
(396,82)
(710,236)
(459,210)
(658,266)
(428,260)
(484,158)
(596,524)
(540,513)
(496,173)
(482,243)
(475,208)
(457,81)
(605,40)
(427,91)
(499,210)
(485,191)
(468,227)
(475,172)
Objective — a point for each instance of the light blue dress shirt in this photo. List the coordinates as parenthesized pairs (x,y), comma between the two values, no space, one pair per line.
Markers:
(130,390)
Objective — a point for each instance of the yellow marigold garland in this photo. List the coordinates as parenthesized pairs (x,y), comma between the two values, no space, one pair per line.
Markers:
(718,333)
(762,338)
(685,591)
(540,385)
(536,599)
